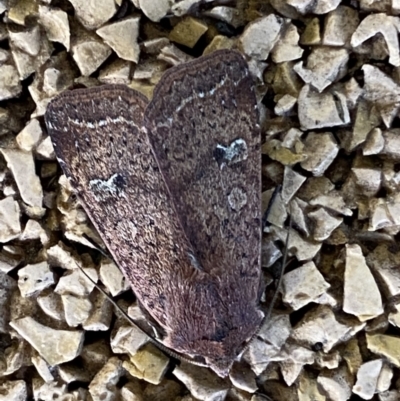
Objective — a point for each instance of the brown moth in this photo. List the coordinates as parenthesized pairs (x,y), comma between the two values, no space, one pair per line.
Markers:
(173,186)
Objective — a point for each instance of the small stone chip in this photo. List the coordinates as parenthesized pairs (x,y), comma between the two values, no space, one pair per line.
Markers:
(202,384)
(188,31)
(89,54)
(122,37)
(10,226)
(303,286)
(361,293)
(35,278)
(30,136)
(55,346)
(93,14)
(149,364)
(22,167)
(260,36)
(367,379)
(56,24)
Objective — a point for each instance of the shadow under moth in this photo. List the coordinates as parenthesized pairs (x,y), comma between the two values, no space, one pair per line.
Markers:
(173,187)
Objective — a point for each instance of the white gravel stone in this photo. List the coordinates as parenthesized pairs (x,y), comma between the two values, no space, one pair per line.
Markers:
(315,7)
(112,277)
(332,201)
(26,40)
(367,378)
(320,326)
(77,310)
(302,248)
(100,318)
(118,72)
(103,387)
(383,91)
(10,85)
(243,378)
(375,143)
(201,382)
(10,226)
(55,22)
(22,167)
(323,224)
(128,340)
(292,181)
(321,150)
(294,359)
(303,285)
(321,110)
(369,180)
(285,104)
(361,293)
(93,14)
(76,283)
(13,390)
(339,25)
(387,26)
(51,305)
(154,9)
(33,230)
(385,378)
(30,136)
(336,384)
(122,37)
(324,66)
(287,48)
(45,150)
(55,346)
(89,54)
(35,278)
(42,368)
(260,36)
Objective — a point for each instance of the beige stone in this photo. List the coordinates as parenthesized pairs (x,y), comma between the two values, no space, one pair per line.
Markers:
(55,346)
(122,37)
(55,22)
(10,226)
(93,14)
(188,31)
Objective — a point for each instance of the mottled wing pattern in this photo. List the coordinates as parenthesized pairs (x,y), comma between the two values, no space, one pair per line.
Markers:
(98,142)
(176,198)
(203,125)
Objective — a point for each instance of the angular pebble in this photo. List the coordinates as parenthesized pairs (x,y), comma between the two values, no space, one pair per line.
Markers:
(35,278)
(55,346)
(201,382)
(10,226)
(303,285)
(22,167)
(362,297)
(122,37)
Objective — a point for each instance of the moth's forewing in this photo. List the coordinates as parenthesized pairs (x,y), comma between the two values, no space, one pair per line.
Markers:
(204,127)
(99,143)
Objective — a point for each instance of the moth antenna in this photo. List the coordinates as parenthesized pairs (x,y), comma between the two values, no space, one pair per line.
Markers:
(269,207)
(269,310)
(284,260)
(154,341)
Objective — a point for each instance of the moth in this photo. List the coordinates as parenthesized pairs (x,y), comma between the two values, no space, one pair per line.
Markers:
(173,187)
